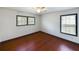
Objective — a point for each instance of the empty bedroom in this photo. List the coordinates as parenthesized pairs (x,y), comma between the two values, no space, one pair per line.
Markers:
(39,29)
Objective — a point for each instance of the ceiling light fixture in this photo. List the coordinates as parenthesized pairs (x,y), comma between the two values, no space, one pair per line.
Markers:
(40,9)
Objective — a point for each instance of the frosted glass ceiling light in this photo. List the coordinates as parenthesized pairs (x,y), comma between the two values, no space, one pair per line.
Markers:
(40,9)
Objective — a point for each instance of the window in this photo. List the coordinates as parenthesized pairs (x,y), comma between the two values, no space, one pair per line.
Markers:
(31,20)
(24,20)
(68,24)
(21,20)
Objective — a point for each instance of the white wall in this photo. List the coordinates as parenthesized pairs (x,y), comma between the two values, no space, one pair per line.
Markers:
(51,24)
(8,28)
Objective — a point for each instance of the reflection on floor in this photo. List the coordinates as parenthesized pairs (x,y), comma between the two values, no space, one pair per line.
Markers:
(38,42)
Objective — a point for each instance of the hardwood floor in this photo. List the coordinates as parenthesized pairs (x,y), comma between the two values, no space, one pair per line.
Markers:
(38,42)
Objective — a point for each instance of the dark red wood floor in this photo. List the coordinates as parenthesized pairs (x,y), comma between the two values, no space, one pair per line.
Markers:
(38,42)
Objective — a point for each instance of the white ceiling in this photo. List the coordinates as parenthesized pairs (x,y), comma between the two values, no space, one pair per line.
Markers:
(49,9)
